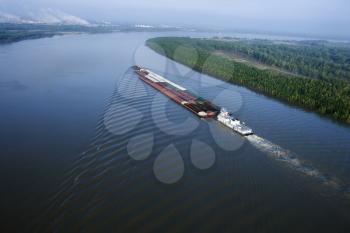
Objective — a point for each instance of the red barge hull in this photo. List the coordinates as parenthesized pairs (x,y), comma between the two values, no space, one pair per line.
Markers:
(202,108)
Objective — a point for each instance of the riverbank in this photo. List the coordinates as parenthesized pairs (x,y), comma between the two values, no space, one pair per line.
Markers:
(12,32)
(327,97)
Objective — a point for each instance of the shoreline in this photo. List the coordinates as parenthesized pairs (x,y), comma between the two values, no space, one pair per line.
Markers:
(257,90)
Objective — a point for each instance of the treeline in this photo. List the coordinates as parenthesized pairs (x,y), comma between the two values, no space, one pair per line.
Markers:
(15,36)
(10,33)
(316,59)
(330,98)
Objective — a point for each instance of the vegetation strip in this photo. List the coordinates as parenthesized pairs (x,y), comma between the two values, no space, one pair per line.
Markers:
(322,94)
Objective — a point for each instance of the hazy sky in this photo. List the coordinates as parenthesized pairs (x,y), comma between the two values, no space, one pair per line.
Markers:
(299,16)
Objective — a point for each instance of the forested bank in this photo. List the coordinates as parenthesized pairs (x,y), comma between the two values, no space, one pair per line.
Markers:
(324,95)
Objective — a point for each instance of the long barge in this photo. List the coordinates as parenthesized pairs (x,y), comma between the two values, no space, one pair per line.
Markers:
(197,105)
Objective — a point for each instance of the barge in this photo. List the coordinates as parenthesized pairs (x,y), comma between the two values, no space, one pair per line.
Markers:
(202,108)
(197,105)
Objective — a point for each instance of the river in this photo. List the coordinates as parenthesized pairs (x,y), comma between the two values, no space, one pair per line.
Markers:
(88,147)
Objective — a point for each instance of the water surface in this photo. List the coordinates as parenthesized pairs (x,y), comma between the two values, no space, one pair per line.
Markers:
(87,147)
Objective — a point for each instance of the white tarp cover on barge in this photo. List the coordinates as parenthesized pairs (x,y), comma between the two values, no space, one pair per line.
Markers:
(157,78)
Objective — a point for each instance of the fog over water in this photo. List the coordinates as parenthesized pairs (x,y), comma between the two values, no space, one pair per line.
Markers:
(316,17)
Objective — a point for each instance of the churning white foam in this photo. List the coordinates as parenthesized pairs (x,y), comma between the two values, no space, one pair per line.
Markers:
(276,152)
